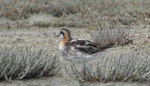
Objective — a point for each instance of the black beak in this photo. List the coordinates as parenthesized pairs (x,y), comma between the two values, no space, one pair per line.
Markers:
(57,35)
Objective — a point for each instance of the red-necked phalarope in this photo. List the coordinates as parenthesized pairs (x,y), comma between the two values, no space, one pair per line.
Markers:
(72,49)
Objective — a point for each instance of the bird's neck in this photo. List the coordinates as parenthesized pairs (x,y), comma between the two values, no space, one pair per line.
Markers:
(63,43)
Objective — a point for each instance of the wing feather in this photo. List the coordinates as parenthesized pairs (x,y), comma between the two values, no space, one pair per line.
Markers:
(85,46)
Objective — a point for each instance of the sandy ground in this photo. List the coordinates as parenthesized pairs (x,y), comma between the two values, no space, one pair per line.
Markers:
(59,81)
(45,37)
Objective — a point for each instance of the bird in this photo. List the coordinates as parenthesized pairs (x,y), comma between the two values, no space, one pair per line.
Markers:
(72,49)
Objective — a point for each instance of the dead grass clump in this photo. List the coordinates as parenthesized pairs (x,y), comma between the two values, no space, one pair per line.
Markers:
(60,7)
(42,20)
(26,62)
(125,67)
(112,36)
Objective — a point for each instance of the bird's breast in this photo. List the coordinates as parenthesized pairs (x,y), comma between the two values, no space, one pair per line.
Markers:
(61,46)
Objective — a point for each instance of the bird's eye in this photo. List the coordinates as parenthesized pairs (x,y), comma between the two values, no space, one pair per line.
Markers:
(61,32)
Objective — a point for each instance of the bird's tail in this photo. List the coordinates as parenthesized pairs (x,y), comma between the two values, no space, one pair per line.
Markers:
(102,48)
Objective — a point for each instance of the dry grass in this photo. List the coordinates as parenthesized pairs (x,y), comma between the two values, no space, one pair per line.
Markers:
(112,36)
(30,62)
(26,62)
(101,13)
(113,68)
(77,13)
(23,9)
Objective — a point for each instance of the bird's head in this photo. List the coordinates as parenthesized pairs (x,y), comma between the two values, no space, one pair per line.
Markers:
(64,34)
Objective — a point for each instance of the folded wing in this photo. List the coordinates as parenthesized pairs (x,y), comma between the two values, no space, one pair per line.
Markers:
(85,46)
(88,46)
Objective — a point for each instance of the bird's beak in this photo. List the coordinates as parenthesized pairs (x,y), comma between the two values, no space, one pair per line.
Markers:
(57,35)
(60,36)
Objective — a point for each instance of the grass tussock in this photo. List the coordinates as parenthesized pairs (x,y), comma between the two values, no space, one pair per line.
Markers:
(125,67)
(26,62)
(112,36)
